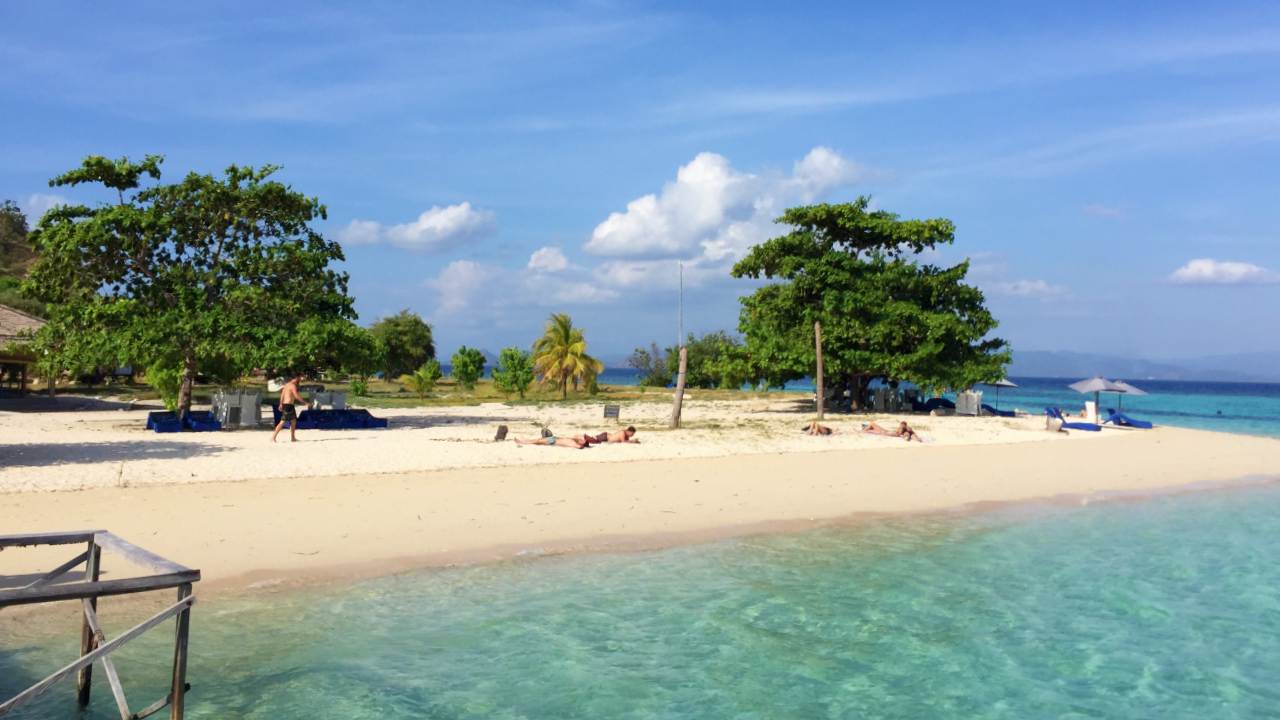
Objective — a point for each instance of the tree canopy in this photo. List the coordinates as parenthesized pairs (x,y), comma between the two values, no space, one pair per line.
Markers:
(407,342)
(16,256)
(467,366)
(884,313)
(205,272)
(514,372)
(560,355)
(715,360)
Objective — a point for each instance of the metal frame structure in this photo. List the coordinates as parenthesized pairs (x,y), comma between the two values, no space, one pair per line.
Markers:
(57,585)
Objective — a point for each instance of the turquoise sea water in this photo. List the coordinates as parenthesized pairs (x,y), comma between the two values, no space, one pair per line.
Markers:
(1250,408)
(1165,607)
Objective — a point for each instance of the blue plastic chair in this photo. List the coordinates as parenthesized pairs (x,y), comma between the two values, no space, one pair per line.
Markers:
(999,413)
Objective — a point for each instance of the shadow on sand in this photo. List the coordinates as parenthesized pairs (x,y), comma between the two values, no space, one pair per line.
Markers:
(44,454)
(70,403)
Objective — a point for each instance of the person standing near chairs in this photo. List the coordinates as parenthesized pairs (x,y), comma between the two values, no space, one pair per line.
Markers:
(289,398)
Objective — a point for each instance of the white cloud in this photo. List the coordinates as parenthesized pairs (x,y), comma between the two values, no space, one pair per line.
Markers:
(459,282)
(1207,271)
(467,285)
(360,232)
(548,259)
(714,213)
(1026,289)
(38,204)
(435,229)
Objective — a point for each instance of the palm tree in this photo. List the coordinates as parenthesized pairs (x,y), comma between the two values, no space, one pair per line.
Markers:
(560,355)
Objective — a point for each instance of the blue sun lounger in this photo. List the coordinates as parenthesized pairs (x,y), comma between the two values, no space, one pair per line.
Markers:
(999,413)
(1067,425)
(1121,420)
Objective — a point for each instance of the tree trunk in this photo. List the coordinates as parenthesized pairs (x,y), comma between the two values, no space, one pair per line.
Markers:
(857,388)
(188,380)
(678,401)
(817,378)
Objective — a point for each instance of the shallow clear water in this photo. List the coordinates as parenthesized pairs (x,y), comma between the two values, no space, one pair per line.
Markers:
(1159,608)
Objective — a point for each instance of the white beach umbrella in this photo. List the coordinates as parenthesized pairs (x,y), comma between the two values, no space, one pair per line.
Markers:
(1127,390)
(1095,385)
(1002,382)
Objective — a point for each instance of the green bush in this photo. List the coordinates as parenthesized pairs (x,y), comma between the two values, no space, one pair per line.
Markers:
(166,380)
(514,373)
(467,366)
(423,380)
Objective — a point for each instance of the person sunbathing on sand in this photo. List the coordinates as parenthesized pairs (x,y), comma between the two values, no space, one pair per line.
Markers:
(904,431)
(564,442)
(814,428)
(625,435)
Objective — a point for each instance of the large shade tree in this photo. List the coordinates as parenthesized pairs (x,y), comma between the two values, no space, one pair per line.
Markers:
(560,355)
(884,312)
(208,272)
(407,340)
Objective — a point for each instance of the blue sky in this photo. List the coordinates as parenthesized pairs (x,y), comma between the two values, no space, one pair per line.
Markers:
(1111,167)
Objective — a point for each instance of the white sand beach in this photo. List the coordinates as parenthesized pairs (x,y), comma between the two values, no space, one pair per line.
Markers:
(435,489)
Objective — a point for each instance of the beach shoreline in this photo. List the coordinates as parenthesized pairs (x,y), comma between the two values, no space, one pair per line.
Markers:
(281,532)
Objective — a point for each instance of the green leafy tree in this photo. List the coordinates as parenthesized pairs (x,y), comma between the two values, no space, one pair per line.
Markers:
(208,269)
(467,366)
(654,369)
(16,256)
(423,380)
(560,355)
(406,340)
(883,313)
(514,372)
(708,363)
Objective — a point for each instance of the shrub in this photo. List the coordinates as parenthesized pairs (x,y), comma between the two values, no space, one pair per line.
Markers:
(514,373)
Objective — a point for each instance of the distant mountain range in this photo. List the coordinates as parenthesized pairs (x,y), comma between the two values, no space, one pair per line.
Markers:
(1241,367)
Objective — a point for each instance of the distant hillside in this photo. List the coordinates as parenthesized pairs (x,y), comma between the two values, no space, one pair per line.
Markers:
(1256,367)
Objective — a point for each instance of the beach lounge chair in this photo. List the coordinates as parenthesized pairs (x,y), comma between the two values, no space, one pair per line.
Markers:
(1056,414)
(999,413)
(1119,419)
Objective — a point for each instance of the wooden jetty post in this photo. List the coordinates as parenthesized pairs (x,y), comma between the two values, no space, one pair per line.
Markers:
(678,401)
(56,585)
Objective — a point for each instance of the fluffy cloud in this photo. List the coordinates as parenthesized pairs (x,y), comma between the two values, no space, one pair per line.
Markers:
(711,213)
(435,229)
(37,204)
(1207,271)
(1025,288)
(548,259)
(467,285)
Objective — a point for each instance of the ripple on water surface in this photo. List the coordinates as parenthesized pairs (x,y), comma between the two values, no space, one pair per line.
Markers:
(1161,608)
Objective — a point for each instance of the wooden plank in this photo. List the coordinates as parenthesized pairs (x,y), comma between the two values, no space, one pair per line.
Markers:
(76,591)
(88,641)
(137,555)
(113,678)
(178,691)
(59,571)
(105,649)
(50,538)
(158,705)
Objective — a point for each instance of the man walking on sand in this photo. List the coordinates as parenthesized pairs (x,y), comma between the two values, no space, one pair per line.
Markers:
(289,397)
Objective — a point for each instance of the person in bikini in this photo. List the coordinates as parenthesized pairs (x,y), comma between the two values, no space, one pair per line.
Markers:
(289,398)
(904,431)
(552,440)
(625,435)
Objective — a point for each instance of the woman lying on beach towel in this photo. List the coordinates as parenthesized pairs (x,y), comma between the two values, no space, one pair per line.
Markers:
(564,442)
(814,428)
(904,431)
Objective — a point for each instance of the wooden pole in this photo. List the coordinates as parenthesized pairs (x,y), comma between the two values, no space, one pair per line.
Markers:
(678,402)
(179,689)
(817,340)
(88,640)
